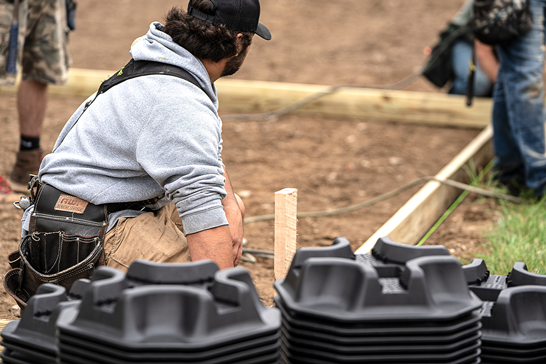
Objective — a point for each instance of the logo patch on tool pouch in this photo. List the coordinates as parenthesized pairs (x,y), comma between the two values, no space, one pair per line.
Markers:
(69,203)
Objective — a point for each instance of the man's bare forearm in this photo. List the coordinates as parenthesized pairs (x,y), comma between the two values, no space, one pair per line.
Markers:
(214,244)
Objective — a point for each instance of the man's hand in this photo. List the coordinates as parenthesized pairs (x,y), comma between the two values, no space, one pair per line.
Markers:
(235,220)
(235,213)
(224,244)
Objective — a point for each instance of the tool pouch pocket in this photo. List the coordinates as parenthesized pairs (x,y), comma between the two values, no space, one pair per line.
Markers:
(64,244)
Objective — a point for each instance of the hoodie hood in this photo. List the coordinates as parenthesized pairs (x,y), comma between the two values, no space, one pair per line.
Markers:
(158,46)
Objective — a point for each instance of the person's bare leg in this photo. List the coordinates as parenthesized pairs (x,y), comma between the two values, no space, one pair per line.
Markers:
(31,106)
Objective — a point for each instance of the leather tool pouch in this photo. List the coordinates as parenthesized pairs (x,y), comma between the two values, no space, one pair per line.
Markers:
(64,244)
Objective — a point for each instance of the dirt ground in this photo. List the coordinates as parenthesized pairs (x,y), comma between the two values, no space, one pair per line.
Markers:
(332,163)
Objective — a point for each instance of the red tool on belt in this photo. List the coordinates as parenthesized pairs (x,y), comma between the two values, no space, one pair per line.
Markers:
(5,187)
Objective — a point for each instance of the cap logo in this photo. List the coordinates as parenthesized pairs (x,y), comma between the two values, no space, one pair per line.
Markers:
(200,15)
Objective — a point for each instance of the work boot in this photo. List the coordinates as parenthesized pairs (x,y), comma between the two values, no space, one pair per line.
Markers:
(27,163)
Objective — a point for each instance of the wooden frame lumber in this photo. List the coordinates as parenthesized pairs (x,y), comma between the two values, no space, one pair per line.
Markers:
(286,202)
(81,82)
(413,220)
(241,96)
(366,103)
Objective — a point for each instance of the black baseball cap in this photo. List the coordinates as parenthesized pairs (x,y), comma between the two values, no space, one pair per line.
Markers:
(239,15)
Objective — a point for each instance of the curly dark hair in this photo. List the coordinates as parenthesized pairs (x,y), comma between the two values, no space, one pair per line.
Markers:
(202,39)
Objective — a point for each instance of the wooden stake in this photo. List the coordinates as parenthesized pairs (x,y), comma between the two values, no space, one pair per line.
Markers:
(285,230)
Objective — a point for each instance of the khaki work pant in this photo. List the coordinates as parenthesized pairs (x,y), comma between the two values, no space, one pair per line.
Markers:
(157,236)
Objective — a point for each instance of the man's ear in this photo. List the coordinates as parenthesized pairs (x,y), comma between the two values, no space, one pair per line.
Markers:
(239,46)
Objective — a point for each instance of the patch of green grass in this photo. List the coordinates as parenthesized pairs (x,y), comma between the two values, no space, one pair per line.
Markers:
(519,236)
(477,178)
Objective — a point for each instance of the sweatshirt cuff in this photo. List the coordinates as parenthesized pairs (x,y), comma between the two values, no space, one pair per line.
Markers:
(204,220)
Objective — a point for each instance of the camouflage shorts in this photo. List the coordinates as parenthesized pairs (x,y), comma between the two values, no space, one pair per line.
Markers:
(42,49)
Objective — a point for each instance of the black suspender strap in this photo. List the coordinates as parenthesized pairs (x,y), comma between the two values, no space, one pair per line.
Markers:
(145,68)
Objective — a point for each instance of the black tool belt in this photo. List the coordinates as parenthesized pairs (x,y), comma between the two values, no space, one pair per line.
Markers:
(64,243)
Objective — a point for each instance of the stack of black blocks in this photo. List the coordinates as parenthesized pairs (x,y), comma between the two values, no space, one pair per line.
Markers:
(32,339)
(157,313)
(205,318)
(338,308)
(514,314)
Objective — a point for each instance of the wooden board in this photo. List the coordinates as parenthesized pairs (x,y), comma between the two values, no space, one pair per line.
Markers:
(241,96)
(389,105)
(413,220)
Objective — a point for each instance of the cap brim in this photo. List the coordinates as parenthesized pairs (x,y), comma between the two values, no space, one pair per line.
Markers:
(263,32)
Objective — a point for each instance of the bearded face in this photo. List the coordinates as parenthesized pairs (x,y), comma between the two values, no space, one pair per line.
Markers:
(234,63)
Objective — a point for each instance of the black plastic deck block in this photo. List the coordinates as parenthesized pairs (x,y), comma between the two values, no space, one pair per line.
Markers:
(32,338)
(390,252)
(107,285)
(485,285)
(384,270)
(263,353)
(389,258)
(297,354)
(520,276)
(341,248)
(383,348)
(387,336)
(78,289)
(476,272)
(71,342)
(488,287)
(373,309)
(517,319)
(147,272)
(172,318)
(514,327)
(372,329)
(76,358)
(340,289)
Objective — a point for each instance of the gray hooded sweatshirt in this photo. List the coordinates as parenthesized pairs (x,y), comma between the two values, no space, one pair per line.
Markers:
(147,136)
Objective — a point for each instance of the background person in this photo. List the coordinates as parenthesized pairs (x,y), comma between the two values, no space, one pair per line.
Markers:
(461,54)
(518,109)
(43,59)
(456,61)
